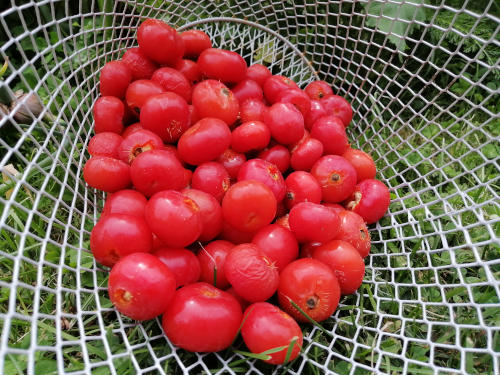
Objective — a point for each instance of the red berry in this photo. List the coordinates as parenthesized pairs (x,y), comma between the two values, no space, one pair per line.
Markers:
(156,170)
(174,218)
(226,66)
(251,273)
(137,142)
(336,176)
(330,131)
(370,200)
(114,79)
(313,222)
(195,42)
(239,206)
(118,235)
(140,286)
(285,122)
(182,263)
(140,66)
(108,115)
(338,106)
(105,144)
(106,174)
(166,115)
(345,261)
(160,42)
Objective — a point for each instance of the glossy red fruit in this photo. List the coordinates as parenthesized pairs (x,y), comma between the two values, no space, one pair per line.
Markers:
(240,210)
(353,230)
(210,213)
(183,264)
(226,66)
(236,236)
(312,222)
(265,172)
(315,112)
(138,93)
(252,135)
(114,78)
(330,131)
(285,122)
(244,304)
(160,42)
(232,162)
(156,170)
(106,174)
(275,84)
(202,318)
(140,66)
(105,144)
(140,286)
(252,110)
(362,163)
(213,99)
(312,286)
(188,175)
(251,273)
(204,141)
(278,244)
(335,207)
(195,42)
(317,90)
(336,176)
(166,115)
(266,327)
(108,115)
(138,142)
(212,257)
(296,97)
(193,115)
(301,187)
(174,81)
(212,178)
(283,222)
(247,89)
(174,218)
(118,235)
(277,155)
(307,249)
(190,70)
(131,129)
(305,154)
(345,262)
(370,200)
(338,106)
(157,243)
(258,73)
(129,202)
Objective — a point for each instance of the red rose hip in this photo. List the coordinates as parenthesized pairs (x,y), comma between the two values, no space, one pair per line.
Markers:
(140,286)
(251,273)
(174,218)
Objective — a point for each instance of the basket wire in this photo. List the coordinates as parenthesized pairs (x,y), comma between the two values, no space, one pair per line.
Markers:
(430,299)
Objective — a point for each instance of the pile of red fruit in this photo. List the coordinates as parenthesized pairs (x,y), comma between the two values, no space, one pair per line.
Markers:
(232,185)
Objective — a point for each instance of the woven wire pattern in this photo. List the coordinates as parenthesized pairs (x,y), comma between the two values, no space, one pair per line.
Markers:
(430,263)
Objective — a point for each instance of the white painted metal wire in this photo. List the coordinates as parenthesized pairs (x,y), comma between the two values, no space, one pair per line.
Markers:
(425,108)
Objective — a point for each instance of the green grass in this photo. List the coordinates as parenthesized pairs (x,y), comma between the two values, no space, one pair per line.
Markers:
(446,177)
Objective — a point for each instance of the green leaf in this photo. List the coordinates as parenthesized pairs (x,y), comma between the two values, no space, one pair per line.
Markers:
(46,367)
(395,19)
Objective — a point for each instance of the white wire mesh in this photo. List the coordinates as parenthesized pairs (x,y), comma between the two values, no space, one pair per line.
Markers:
(430,301)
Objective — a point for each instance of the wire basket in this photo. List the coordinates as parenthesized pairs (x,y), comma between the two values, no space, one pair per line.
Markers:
(423,77)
